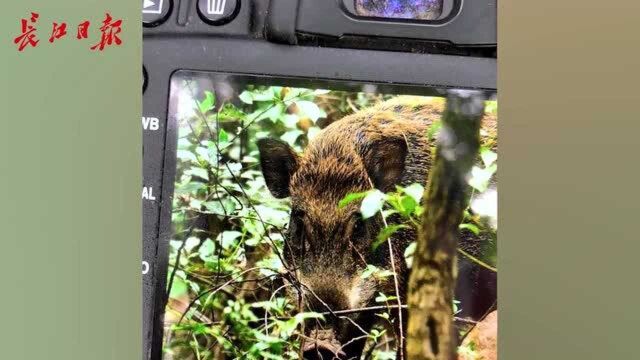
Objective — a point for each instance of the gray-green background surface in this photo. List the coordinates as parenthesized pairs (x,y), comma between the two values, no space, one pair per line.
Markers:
(569,166)
(70,152)
(70,182)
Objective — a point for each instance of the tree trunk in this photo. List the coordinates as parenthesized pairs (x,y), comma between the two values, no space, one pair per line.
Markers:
(430,331)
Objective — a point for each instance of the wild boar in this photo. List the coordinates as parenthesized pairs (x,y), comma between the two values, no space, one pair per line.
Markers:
(382,146)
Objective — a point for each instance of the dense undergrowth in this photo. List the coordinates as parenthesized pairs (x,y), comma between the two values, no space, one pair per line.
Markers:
(228,281)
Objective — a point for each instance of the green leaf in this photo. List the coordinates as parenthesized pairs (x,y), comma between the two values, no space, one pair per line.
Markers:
(408,205)
(488,157)
(384,355)
(491,107)
(376,272)
(234,167)
(456,307)
(270,266)
(486,206)
(292,93)
(408,254)
(178,288)
(276,91)
(433,129)
(416,191)
(368,271)
(229,112)
(471,227)
(310,109)
(351,198)
(271,215)
(208,102)
(275,112)
(246,97)
(191,243)
(250,159)
(291,136)
(206,250)
(228,238)
(199,329)
(186,155)
(372,204)
(375,333)
(184,144)
(223,137)
(195,204)
(228,206)
(199,172)
(265,95)
(382,298)
(190,188)
(252,241)
(184,131)
(210,154)
(290,120)
(308,315)
(480,177)
(386,234)
(289,326)
(203,152)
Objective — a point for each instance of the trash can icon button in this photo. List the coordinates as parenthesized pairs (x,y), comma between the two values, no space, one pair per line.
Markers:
(218,12)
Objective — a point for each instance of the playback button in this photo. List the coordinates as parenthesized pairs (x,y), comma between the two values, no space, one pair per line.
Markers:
(155,12)
(218,12)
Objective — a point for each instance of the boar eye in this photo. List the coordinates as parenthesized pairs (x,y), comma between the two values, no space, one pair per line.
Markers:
(359,226)
(297,231)
(296,213)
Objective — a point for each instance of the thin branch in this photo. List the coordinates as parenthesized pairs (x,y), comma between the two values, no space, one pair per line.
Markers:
(378,308)
(477,261)
(213,291)
(177,262)
(333,313)
(396,286)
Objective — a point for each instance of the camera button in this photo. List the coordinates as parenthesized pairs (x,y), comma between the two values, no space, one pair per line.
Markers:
(155,12)
(218,12)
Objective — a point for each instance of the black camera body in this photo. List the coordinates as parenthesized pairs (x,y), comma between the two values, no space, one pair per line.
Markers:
(300,42)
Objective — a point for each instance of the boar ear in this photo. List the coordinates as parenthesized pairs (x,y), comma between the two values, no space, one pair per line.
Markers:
(278,162)
(384,161)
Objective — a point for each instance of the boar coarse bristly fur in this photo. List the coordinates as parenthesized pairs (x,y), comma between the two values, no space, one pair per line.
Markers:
(329,247)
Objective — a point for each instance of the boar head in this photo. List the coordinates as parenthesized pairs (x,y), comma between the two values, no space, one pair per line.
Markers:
(327,245)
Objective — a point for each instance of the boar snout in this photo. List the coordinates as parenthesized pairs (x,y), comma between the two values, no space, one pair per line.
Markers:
(322,345)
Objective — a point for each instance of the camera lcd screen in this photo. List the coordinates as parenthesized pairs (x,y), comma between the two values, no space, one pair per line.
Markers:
(401,9)
(285,215)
